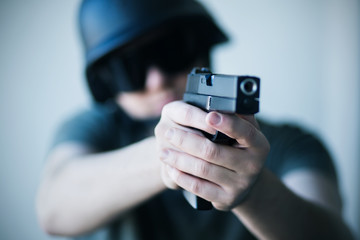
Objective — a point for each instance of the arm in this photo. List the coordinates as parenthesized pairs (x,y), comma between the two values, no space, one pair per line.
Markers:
(234,177)
(81,189)
(273,211)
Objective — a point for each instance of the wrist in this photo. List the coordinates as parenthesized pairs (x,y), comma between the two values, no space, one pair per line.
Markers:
(245,195)
(256,192)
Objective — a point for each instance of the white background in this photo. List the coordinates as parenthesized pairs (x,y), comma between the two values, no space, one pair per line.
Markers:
(306,52)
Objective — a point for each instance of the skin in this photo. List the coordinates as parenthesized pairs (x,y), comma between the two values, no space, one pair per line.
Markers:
(234,177)
(218,173)
(82,189)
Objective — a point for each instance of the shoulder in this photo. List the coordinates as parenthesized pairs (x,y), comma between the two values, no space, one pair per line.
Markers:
(104,127)
(290,137)
(294,148)
(95,126)
(94,118)
(283,131)
(96,113)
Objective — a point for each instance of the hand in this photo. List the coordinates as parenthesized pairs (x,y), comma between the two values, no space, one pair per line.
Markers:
(218,173)
(187,114)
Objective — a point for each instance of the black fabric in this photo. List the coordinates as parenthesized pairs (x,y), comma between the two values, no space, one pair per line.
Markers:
(112,25)
(106,25)
(168,215)
(104,127)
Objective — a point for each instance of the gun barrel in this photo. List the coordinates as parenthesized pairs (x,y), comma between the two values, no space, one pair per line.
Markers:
(224,93)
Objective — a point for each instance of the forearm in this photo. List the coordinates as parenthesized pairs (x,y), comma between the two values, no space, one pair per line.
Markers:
(272,211)
(89,190)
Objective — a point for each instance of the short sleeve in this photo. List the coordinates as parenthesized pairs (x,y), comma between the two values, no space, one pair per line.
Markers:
(293,148)
(94,127)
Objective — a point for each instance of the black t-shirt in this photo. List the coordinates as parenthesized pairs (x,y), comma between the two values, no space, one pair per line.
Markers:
(168,215)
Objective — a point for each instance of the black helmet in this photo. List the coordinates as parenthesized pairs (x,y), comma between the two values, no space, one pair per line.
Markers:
(108,26)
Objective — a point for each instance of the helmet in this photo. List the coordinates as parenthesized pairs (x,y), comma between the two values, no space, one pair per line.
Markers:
(109,25)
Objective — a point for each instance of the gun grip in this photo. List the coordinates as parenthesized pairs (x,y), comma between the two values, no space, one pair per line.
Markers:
(196,202)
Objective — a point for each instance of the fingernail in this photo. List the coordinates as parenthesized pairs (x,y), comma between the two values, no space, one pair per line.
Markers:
(169,133)
(214,118)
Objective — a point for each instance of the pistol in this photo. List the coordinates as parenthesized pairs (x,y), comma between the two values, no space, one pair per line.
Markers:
(222,93)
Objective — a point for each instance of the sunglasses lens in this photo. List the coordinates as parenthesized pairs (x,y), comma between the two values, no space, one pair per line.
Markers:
(172,54)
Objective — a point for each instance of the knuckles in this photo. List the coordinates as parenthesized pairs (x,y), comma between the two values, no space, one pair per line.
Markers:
(166,179)
(231,197)
(247,169)
(176,176)
(195,187)
(250,133)
(202,169)
(209,150)
(187,113)
(253,167)
(180,138)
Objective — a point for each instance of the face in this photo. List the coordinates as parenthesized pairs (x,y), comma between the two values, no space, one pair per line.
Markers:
(160,89)
(159,65)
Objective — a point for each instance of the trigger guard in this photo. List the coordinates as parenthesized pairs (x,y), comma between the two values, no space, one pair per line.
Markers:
(219,137)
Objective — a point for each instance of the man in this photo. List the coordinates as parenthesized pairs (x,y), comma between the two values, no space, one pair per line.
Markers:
(107,174)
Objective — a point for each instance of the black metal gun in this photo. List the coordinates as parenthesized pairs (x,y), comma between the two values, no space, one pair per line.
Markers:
(222,93)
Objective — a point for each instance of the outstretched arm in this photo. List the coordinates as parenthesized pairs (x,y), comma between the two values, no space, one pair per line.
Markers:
(274,211)
(82,190)
(234,178)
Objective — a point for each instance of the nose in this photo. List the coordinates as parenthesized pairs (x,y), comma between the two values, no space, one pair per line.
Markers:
(155,79)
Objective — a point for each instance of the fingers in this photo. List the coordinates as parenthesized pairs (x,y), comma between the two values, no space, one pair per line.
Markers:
(178,115)
(201,147)
(218,173)
(216,184)
(187,115)
(166,179)
(198,167)
(195,185)
(242,128)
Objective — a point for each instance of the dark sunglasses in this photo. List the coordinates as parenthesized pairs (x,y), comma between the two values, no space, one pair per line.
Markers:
(173,53)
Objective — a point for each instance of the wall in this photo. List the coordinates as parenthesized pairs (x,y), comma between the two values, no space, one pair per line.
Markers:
(306,53)
(40,84)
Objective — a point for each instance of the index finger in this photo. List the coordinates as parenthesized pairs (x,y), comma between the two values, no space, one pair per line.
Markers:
(187,115)
(243,129)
